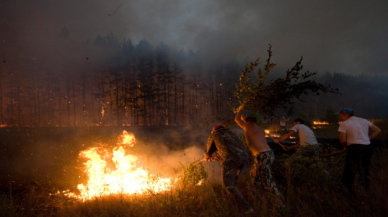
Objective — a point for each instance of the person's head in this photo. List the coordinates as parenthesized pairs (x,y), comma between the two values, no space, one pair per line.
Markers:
(218,126)
(251,120)
(346,113)
(298,121)
(283,118)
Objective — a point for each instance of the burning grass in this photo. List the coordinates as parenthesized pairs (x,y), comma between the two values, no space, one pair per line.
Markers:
(307,192)
(124,178)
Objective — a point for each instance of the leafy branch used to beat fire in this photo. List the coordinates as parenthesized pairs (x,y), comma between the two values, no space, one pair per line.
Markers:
(266,97)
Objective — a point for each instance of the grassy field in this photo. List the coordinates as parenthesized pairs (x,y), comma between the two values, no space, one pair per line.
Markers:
(307,191)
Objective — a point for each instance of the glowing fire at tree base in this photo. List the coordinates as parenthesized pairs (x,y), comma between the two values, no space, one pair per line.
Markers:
(125,178)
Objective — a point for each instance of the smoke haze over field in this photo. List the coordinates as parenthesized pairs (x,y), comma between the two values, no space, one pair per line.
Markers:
(46,155)
(132,63)
(344,36)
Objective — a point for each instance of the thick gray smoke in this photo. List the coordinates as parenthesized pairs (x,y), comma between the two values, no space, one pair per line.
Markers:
(51,157)
(343,36)
(160,158)
(167,163)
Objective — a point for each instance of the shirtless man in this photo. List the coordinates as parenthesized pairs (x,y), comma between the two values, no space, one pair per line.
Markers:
(264,156)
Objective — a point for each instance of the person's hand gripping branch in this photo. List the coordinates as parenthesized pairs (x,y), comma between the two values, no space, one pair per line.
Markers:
(285,148)
(209,159)
(239,117)
(241,107)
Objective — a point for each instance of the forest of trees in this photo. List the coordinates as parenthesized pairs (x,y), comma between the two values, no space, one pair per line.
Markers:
(128,85)
(112,82)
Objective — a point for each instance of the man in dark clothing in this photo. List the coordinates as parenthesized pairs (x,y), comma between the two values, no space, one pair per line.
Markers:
(228,149)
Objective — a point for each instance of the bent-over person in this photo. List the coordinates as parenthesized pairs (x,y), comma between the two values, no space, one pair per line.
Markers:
(228,149)
(264,156)
(307,141)
(308,144)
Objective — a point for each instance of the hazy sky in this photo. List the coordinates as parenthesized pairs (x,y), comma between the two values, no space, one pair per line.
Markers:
(338,36)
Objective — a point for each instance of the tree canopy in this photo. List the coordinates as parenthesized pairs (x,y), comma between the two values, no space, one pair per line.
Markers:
(266,97)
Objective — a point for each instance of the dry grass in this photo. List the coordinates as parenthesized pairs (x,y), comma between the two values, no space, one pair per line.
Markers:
(313,196)
(307,193)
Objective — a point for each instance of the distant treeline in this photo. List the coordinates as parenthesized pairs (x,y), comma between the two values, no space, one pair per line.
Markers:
(366,94)
(115,83)
(111,82)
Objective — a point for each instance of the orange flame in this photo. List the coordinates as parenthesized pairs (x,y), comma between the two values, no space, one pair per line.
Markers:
(320,123)
(125,178)
(126,139)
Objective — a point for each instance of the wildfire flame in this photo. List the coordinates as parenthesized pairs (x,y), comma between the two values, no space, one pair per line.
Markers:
(126,139)
(269,134)
(320,123)
(124,178)
(200,182)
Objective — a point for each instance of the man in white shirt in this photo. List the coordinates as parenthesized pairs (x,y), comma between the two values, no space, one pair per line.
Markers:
(355,136)
(307,138)
(308,144)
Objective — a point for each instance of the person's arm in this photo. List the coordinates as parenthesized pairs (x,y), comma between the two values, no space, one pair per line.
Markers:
(342,139)
(342,135)
(211,148)
(373,131)
(239,117)
(286,136)
(293,146)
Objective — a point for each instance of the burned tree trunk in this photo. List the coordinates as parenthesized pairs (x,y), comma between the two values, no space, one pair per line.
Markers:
(48,122)
(12,100)
(67,100)
(83,100)
(102,100)
(38,103)
(19,103)
(74,105)
(1,102)
(91,110)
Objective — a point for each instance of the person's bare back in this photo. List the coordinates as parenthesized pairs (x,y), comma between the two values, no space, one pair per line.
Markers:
(255,136)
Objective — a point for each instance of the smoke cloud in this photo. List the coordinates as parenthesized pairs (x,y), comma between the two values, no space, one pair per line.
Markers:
(331,35)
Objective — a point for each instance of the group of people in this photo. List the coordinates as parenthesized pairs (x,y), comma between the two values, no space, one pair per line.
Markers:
(226,147)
